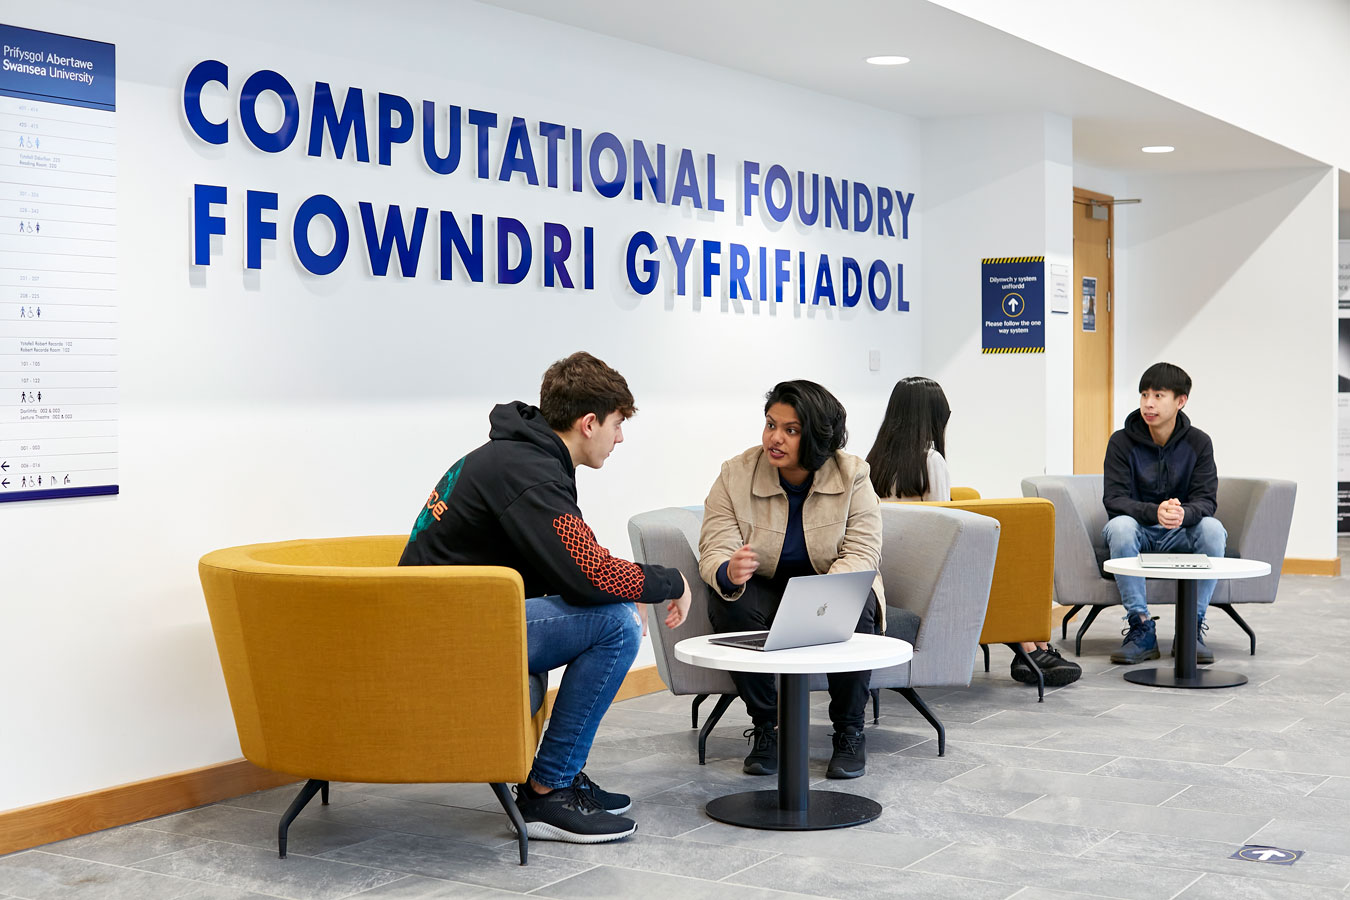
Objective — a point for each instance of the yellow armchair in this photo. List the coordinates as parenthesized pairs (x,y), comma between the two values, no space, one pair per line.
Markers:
(342,666)
(1022,591)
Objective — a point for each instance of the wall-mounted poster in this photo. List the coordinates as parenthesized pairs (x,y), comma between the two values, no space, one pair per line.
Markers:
(58,284)
(1013,304)
(1343,275)
(1343,427)
(1089,304)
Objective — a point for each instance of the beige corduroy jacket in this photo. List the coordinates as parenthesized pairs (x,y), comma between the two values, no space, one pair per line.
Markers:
(841,518)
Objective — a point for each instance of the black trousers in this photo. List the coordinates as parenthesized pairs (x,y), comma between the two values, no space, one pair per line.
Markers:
(754,611)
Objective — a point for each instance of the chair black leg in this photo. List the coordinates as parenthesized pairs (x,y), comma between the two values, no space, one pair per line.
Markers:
(1040,677)
(1064,622)
(917,702)
(876,705)
(312,787)
(1087,623)
(985,648)
(1233,614)
(323,794)
(509,804)
(693,712)
(723,701)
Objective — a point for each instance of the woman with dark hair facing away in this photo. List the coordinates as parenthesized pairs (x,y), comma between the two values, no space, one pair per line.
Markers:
(753,541)
(908,463)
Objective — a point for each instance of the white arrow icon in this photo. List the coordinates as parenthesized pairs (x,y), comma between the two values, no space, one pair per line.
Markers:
(1012,304)
(1269,854)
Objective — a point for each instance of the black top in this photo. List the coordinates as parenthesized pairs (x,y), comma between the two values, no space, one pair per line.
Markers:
(1137,474)
(513,502)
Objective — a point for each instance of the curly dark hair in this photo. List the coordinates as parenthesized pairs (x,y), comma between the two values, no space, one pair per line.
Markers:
(821,416)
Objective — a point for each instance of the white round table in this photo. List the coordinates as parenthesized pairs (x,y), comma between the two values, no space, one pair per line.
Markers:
(793,807)
(1184,672)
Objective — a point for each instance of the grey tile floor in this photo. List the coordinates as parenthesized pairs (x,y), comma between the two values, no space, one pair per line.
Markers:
(1104,790)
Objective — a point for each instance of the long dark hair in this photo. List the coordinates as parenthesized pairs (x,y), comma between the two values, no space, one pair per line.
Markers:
(822,418)
(916,416)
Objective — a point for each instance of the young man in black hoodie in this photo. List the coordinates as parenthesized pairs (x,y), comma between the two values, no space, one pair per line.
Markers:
(513,502)
(1159,487)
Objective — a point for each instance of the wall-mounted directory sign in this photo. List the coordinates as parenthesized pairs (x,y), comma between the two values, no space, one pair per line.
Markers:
(58,266)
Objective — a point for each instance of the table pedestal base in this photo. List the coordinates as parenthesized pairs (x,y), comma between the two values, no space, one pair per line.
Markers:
(1203,678)
(1184,672)
(825,809)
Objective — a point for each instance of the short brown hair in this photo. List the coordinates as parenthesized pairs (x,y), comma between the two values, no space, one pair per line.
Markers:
(581,384)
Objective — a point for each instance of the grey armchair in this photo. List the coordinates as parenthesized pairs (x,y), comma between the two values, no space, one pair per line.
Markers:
(1257,513)
(937,563)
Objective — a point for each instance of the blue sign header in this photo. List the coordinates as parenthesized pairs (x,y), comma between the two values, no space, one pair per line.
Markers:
(57,68)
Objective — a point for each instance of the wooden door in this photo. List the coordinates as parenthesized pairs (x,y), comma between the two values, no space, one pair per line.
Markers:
(1093,302)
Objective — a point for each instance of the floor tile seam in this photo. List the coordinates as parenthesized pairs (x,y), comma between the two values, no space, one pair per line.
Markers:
(289,851)
(1190,885)
(1222,767)
(591,868)
(915,862)
(1175,796)
(134,868)
(772,856)
(1290,725)
(1081,854)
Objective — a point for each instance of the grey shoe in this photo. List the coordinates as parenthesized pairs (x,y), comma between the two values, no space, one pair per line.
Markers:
(1203,655)
(1141,642)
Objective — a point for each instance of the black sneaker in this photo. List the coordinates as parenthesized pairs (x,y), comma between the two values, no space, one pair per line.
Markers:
(1055,669)
(763,758)
(608,801)
(850,755)
(568,814)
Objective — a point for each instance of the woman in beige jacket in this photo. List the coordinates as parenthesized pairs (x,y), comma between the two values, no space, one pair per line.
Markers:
(796,505)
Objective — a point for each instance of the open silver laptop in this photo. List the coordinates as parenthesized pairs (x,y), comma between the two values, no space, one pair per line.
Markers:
(1174,560)
(815,609)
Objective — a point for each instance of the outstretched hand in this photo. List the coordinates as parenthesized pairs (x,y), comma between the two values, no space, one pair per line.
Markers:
(677,610)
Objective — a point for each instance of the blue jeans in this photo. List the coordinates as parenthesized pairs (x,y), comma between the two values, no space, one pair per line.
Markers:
(1125,536)
(598,645)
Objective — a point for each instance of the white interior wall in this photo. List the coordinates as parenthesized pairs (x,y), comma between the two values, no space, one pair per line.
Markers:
(1274,69)
(997,186)
(270,406)
(1232,277)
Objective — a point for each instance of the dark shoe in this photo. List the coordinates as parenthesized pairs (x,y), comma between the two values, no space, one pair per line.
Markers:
(1203,655)
(568,814)
(1055,669)
(607,800)
(763,758)
(1141,642)
(850,755)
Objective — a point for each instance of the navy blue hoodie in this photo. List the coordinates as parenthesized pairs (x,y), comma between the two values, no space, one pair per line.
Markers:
(513,502)
(1138,474)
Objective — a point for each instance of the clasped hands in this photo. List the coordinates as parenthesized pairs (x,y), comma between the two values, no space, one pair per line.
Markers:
(1170,513)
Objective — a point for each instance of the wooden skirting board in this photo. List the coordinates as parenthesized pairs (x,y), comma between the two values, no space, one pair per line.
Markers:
(1296,566)
(55,820)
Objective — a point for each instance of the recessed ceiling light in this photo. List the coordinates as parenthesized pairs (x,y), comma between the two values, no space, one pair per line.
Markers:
(888,60)
(1159,148)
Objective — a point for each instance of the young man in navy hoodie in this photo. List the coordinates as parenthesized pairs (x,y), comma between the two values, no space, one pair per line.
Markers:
(1159,487)
(513,502)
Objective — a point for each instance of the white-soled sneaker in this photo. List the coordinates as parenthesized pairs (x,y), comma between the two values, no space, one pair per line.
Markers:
(568,814)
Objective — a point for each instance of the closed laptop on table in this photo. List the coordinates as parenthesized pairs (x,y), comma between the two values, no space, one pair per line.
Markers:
(1174,560)
(815,609)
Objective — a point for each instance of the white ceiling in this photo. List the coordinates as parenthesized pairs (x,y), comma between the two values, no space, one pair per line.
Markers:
(959,67)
